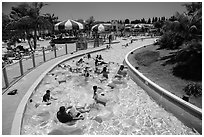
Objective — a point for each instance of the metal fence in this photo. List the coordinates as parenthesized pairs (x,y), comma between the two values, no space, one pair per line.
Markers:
(11,73)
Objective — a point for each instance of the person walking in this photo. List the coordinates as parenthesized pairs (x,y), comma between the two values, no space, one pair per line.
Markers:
(110,39)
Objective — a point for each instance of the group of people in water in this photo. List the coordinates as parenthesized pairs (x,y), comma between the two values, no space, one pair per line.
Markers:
(73,113)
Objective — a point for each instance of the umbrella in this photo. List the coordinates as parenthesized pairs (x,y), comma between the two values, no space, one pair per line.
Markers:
(137,26)
(69,25)
(98,27)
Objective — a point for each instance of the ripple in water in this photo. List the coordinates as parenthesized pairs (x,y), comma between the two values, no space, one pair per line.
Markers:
(129,110)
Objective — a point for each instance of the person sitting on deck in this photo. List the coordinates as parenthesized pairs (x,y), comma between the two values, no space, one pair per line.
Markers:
(47,97)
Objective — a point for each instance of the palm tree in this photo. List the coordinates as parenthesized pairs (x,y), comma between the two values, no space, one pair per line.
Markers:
(27,17)
(37,19)
(187,28)
(52,19)
(5,20)
(89,24)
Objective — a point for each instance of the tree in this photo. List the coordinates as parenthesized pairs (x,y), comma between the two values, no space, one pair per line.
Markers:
(163,18)
(81,21)
(184,31)
(193,8)
(149,21)
(159,20)
(143,20)
(172,18)
(127,21)
(90,22)
(153,20)
(52,19)
(157,25)
(27,17)
(5,20)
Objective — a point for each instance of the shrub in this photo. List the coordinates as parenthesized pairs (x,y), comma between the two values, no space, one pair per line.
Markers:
(189,62)
(171,40)
(193,89)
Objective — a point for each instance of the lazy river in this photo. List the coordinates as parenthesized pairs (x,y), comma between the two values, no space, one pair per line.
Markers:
(129,110)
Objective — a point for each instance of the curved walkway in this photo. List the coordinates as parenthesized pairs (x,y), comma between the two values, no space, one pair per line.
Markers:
(10,102)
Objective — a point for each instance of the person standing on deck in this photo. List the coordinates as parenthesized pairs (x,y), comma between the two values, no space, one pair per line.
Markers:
(110,39)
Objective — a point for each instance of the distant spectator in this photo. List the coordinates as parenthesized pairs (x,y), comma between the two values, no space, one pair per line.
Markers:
(110,39)
(88,56)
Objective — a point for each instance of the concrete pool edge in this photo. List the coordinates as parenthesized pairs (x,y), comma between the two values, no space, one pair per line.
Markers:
(17,121)
(184,111)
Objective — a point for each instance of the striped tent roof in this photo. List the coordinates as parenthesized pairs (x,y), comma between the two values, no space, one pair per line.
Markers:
(99,27)
(69,25)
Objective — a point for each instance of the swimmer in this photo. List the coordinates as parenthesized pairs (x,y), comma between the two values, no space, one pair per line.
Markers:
(76,111)
(80,61)
(88,56)
(105,72)
(86,75)
(100,57)
(47,97)
(96,62)
(63,66)
(65,117)
(97,71)
(95,96)
(95,91)
(122,72)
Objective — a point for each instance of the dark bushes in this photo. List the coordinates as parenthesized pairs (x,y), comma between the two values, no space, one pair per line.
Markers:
(170,40)
(189,62)
(193,89)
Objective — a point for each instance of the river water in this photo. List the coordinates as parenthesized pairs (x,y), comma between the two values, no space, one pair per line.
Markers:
(129,109)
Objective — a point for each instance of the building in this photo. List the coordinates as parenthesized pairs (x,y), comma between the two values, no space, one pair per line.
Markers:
(116,25)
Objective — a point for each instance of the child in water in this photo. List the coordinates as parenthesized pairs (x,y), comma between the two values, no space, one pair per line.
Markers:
(73,114)
(95,96)
(47,97)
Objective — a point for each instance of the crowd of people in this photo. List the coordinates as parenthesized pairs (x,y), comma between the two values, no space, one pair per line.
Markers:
(73,113)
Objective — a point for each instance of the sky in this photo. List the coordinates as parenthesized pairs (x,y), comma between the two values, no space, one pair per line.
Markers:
(106,11)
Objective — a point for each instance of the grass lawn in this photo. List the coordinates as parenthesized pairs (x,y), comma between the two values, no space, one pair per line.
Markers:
(153,63)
